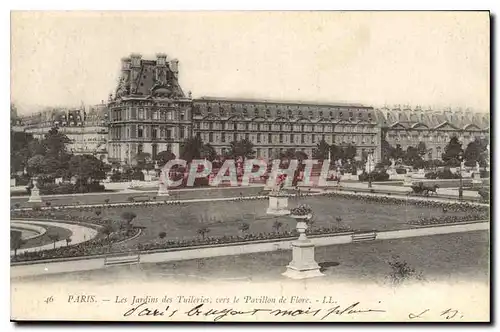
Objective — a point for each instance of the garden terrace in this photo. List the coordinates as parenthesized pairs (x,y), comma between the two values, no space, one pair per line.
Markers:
(220,222)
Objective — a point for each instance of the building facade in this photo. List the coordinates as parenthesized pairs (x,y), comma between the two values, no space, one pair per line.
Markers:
(85,127)
(149,112)
(406,126)
(275,126)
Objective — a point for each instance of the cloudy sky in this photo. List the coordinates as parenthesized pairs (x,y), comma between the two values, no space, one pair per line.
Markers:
(420,58)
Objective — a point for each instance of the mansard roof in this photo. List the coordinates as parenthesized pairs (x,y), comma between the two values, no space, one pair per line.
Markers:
(433,119)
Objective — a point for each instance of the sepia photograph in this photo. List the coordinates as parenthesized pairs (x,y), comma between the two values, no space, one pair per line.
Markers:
(250,166)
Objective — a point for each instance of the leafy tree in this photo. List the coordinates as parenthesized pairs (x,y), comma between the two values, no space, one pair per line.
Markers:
(422,149)
(203,231)
(398,153)
(36,165)
(387,151)
(16,241)
(107,230)
(321,151)
(87,168)
(55,144)
(19,150)
(242,148)
(191,148)
(277,225)
(452,152)
(208,152)
(143,160)
(349,152)
(164,157)
(128,217)
(244,227)
(412,157)
(476,153)
(335,152)
(54,237)
(162,235)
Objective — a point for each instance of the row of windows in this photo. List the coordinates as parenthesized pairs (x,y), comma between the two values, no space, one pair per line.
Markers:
(289,113)
(279,127)
(148,132)
(429,138)
(147,114)
(286,138)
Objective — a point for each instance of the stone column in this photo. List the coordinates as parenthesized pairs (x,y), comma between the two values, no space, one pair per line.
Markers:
(35,193)
(278,204)
(303,264)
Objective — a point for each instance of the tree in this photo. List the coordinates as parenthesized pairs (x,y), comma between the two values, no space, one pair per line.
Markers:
(164,157)
(244,227)
(335,152)
(128,217)
(321,151)
(68,241)
(19,150)
(242,148)
(203,231)
(475,153)
(208,152)
(54,237)
(387,151)
(191,149)
(422,149)
(87,168)
(107,230)
(452,152)
(36,165)
(143,161)
(397,153)
(349,152)
(55,145)
(162,235)
(412,157)
(277,225)
(16,241)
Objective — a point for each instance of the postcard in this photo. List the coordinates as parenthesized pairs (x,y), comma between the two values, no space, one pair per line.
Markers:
(250,166)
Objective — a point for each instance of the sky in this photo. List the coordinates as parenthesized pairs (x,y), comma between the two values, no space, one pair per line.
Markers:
(438,59)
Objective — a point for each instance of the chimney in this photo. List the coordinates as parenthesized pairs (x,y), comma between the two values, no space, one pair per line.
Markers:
(161,60)
(136,59)
(174,66)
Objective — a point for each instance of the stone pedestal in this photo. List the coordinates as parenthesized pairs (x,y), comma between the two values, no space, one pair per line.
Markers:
(163,190)
(476,178)
(278,205)
(35,194)
(303,264)
(407,181)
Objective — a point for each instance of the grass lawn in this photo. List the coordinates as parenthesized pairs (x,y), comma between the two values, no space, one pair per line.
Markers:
(44,239)
(448,257)
(124,197)
(225,218)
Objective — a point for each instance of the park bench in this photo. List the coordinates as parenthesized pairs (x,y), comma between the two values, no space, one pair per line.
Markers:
(365,236)
(142,198)
(122,259)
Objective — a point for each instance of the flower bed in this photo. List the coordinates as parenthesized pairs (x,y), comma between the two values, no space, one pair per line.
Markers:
(98,245)
(450,206)
(448,219)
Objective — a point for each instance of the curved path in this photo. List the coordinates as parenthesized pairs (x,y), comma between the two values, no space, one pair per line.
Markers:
(94,263)
(29,231)
(79,234)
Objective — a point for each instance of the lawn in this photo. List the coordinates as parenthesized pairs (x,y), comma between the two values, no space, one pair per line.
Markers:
(448,257)
(124,197)
(225,217)
(44,239)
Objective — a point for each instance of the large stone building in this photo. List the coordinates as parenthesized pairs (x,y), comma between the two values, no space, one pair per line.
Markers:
(275,126)
(86,127)
(406,127)
(149,111)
